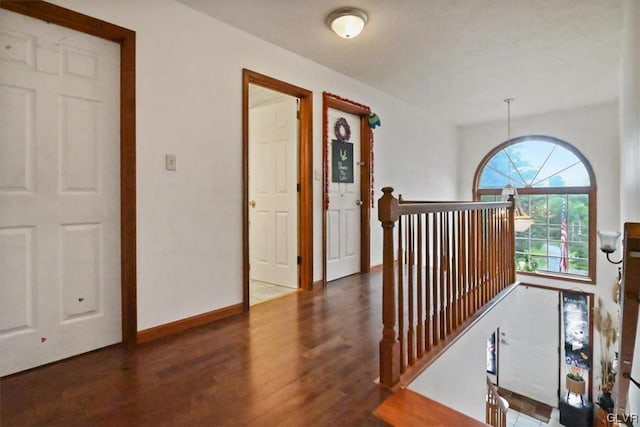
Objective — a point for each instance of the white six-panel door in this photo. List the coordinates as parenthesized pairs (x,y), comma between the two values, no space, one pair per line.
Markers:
(343,215)
(59,193)
(273,197)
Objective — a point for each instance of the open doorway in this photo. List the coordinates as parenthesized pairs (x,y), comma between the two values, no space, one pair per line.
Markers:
(277,190)
(273,198)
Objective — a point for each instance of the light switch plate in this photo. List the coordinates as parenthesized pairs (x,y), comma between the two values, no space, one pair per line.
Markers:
(170,161)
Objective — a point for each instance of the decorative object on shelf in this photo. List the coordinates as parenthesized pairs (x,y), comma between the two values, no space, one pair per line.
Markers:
(575,383)
(608,330)
(608,243)
(342,130)
(522,221)
(347,22)
(326,151)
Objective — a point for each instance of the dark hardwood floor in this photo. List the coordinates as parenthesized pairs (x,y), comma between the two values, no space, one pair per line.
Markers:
(309,358)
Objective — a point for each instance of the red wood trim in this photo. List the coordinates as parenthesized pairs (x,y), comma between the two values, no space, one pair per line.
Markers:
(318,284)
(68,18)
(559,276)
(305,174)
(407,408)
(161,331)
(417,208)
(127,39)
(377,267)
(629,309)
(553,288)
(334,101)
(546,190)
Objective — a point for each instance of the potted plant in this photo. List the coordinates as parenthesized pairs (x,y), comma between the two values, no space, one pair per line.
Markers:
(575,383)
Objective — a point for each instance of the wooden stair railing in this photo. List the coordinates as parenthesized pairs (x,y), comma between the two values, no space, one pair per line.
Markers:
(452,258)
(630,290)
(497,407)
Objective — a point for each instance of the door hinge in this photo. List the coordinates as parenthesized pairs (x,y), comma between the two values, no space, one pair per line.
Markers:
(558,393)
(298,115)
(298,187)
(299,260)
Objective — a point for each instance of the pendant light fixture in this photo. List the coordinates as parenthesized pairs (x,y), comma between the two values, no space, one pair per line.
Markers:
(522,221)
(347,22)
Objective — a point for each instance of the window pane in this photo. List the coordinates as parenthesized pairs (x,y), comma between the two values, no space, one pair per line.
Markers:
(538,208)
(534,163)
(539,231)
(578,218)
(558,240)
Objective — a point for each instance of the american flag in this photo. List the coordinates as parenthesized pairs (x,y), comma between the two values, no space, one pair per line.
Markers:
(564,240)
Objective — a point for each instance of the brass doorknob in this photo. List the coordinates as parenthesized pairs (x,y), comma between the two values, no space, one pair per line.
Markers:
(252,203)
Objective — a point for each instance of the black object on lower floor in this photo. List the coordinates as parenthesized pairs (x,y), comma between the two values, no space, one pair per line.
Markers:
(576,413)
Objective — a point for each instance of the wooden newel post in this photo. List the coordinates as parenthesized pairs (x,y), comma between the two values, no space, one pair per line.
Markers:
(512,239)
(389,345)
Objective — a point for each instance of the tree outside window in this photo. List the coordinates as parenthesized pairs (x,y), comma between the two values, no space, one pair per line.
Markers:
(556,188)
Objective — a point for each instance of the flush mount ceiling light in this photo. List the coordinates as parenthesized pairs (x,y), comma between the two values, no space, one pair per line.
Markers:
(347,22)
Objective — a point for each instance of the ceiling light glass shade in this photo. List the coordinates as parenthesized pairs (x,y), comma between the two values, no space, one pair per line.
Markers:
(347,22)
(608,241)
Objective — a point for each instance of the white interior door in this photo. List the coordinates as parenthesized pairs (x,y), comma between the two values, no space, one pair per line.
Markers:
(273,195)
(343,215)
(59,193)
(529,344)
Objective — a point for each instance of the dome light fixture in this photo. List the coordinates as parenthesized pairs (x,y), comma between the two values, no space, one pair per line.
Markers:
(347,22)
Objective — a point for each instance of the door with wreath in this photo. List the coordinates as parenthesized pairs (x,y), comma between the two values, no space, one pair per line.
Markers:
(345,201)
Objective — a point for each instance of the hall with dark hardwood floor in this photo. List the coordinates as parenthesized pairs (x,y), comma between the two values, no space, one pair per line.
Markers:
(309,358)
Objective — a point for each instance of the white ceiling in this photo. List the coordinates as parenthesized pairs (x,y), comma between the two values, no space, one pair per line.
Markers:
(459,57)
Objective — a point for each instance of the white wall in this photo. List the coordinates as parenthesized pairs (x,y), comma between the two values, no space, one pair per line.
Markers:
(594,131)
(630,115)
(630,148)
(189,74)
(458,378)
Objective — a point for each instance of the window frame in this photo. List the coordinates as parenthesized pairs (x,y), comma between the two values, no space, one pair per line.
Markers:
(591,191)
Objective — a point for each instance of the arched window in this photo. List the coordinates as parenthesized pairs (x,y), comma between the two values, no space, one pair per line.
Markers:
(557,188)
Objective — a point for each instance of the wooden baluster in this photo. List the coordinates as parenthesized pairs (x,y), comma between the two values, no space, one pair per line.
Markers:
(435,251)
(493,271)
(512,242)
(443,289)
(410,291)
(447,272)
(500,249)
(485,258)
(454,272)
(389,346)
(478,298)
(401,253)
(463,266)
(470,263)
(420,286)
(458,272)
(428,293)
